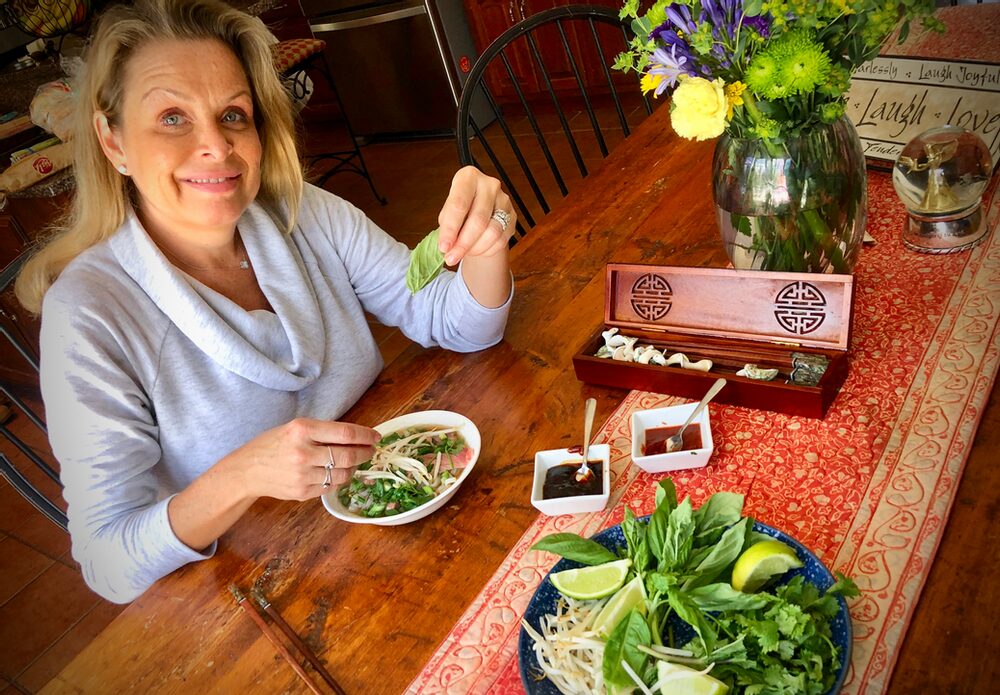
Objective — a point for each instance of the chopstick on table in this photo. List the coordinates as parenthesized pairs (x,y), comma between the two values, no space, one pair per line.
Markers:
(299,644)
(241,600)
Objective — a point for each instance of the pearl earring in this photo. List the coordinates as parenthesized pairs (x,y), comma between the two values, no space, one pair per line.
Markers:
(122,170)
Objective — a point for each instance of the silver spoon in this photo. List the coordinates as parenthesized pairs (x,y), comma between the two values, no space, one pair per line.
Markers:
(676,442)
(589,408)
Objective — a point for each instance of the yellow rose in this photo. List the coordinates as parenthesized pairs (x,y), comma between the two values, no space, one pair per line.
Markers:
(699,108)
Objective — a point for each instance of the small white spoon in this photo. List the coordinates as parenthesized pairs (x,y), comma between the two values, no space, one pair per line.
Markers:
(588,421)
(676,442)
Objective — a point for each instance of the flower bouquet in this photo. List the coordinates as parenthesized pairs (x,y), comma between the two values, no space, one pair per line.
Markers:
(771,77)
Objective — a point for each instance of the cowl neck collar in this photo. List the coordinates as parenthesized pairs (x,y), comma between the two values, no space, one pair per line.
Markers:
(283,350)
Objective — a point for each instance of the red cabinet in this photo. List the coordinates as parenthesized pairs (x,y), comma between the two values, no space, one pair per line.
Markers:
(488,19)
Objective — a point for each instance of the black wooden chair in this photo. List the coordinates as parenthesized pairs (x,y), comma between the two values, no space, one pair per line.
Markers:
(539,145)
(41,485)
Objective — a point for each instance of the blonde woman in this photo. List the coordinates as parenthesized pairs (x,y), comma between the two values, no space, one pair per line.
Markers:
(203,313)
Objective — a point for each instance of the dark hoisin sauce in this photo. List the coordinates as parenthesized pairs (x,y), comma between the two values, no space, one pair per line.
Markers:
(560,481)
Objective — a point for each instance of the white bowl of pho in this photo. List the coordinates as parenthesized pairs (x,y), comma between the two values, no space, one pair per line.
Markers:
(419,463)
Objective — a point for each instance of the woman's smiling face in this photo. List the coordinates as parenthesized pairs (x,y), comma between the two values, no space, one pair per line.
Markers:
(186,134)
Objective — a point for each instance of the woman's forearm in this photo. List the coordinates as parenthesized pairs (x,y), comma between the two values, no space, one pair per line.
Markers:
(488,278)
(208,507)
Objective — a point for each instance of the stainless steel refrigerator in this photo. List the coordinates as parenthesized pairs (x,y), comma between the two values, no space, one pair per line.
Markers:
(399,66)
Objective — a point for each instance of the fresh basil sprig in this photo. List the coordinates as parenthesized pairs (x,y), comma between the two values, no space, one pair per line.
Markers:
(426,263)
(572,547)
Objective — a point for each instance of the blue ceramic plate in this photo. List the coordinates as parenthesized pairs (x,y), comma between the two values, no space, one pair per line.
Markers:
(544,603)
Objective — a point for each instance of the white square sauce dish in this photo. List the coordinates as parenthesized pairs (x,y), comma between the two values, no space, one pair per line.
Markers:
(555,488)
(651,428)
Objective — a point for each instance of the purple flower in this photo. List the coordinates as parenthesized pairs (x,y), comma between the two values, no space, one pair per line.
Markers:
(723,15)
(670,65)
(669,36)
(720,55)
(680,17)
(711,11)
(761,24)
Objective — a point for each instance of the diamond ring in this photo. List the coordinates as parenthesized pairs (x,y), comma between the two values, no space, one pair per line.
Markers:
(502,218)
(328,479)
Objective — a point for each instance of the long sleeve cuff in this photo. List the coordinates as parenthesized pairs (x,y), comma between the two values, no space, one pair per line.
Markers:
(125,560)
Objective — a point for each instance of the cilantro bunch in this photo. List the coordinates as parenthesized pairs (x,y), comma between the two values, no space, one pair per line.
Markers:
(773,642)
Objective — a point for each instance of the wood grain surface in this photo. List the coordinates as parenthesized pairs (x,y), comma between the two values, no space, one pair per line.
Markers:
(375,602)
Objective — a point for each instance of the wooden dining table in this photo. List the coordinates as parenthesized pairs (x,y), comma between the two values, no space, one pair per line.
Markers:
(375,602)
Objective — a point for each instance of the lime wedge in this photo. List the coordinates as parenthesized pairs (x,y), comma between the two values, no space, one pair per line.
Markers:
(675,679)
(591,582)
(760,562)
(632,595)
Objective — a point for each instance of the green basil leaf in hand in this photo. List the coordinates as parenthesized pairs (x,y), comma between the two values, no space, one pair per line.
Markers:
(573,547)
(426,263)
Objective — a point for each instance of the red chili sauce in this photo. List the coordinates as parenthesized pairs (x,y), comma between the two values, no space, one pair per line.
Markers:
(560,481)
(656,439)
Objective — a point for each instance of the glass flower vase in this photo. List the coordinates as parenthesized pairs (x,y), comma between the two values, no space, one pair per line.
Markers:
(798,204)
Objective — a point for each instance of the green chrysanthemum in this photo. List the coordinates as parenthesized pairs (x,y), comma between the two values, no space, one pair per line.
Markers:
(762,73)
(803,65)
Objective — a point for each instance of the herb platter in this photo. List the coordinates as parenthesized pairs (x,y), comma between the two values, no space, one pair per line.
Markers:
(796,584)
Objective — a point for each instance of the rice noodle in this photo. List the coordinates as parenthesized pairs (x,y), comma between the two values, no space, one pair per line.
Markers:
(397,464)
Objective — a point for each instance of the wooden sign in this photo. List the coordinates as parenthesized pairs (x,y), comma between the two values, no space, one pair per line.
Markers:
(892,99)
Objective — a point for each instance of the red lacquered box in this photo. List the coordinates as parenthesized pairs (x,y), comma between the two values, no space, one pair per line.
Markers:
(734,318)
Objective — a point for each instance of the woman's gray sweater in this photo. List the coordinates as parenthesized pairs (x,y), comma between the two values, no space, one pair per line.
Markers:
(149,377)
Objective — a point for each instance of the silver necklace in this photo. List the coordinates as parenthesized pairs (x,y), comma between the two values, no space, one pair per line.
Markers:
(244,264)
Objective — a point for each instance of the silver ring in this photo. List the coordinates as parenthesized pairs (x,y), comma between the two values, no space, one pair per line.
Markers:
(328,480)
(502,218)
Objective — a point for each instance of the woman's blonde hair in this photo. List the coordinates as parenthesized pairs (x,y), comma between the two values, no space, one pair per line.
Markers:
(102,194)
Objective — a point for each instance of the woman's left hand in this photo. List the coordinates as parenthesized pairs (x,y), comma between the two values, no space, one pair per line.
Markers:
(467,226)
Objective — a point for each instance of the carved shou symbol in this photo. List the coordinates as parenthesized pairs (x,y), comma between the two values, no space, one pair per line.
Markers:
(800,308)
(651,297)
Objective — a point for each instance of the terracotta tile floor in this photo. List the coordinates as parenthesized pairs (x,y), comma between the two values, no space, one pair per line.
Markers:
(47,614)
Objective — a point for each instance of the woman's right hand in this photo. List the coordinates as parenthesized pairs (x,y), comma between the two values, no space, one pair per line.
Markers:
(289,462)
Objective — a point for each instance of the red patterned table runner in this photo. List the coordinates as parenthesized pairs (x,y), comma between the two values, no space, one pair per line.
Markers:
(868,489)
